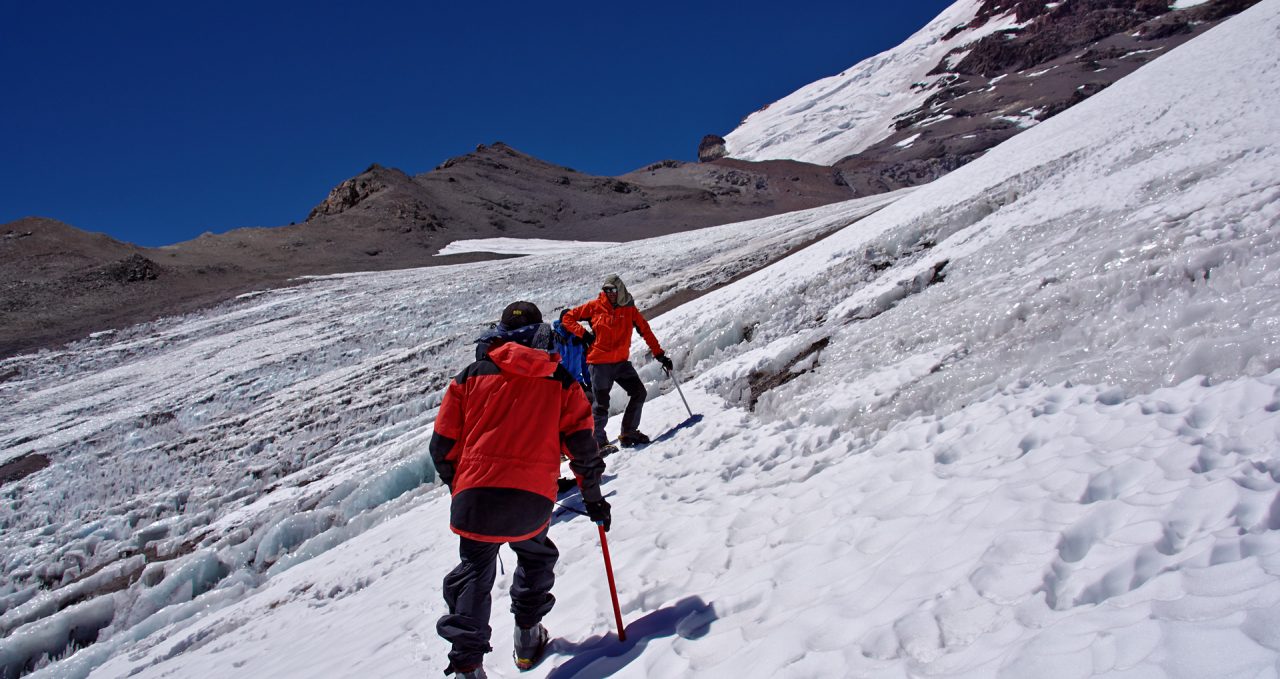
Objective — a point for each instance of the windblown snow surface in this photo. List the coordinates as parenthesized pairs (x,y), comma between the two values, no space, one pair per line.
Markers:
(1021,422)
(519,246)
(841,115)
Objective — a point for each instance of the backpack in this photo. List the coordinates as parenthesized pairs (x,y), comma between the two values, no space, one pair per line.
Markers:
(573,354)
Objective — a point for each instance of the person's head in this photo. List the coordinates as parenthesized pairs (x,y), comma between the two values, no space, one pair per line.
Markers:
(520,314)
(613,288)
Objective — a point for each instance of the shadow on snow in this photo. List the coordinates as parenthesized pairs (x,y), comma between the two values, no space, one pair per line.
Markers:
(602,656)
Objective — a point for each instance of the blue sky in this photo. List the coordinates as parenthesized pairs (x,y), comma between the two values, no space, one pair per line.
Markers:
(156,121)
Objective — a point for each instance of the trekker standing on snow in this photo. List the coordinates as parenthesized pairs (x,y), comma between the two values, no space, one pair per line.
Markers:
(612,315)
(497,444)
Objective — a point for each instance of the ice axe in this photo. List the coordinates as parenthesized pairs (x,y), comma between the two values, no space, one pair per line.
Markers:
(676,382)
(613,590)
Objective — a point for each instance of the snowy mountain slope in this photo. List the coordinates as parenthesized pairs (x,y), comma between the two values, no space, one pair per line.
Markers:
(206,451)
(979,74)
(840,115)
(1019,423)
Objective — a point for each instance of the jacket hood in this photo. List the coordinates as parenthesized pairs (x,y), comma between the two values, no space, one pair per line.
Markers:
(537,336)
(518,359)
(624,297)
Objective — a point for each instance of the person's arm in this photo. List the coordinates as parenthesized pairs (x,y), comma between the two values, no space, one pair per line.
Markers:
(448,429)
(637,319)
(571,320)
(577,430)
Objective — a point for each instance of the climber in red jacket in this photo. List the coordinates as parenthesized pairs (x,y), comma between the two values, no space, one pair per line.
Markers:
(612,315)
(498,438)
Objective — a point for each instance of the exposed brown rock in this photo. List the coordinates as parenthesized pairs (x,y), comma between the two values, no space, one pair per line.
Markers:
(58,283)
(22,467)
(711,148)
(1012,79)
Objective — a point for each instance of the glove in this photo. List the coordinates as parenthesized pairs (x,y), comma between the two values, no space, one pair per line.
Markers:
(588,338)
(444,471)
(664,361)
(599,513)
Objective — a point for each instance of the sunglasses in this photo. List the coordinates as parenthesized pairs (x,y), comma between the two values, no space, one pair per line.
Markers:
(609,288)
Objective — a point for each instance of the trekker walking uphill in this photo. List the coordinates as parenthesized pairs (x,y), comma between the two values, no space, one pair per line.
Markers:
(612,316)
(502,426)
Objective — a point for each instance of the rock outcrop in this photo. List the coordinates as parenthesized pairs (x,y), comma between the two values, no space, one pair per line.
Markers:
(356,190)
(711,148)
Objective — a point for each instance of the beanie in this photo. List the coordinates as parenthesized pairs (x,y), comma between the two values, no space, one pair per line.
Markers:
(520,314)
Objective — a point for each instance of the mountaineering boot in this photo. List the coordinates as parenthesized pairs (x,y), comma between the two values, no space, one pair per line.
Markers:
(608,449)
(630,439)
(531,643)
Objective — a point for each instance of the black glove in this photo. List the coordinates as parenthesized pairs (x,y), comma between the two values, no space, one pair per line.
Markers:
(444,471)
(599,512)
(588,338)
(664,361)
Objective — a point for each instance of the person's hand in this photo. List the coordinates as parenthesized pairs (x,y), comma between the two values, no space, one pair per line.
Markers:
(588,338)
(599,512)
(664,361)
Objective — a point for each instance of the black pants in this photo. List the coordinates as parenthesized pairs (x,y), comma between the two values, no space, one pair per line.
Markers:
(603,375)
(467,593)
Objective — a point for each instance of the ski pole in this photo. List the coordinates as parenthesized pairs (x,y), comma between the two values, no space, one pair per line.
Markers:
(613,590)
(678,391)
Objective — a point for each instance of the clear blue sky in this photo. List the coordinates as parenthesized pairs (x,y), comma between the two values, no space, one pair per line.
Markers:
(156,121)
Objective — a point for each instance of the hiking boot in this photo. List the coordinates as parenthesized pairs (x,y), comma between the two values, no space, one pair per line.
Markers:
(608,449)
(632,438)
(531,643)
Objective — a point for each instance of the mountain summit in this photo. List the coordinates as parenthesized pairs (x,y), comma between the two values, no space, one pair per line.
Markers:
(978,74)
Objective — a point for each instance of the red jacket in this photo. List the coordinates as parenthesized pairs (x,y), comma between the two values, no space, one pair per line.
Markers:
(498,437)
(612,327)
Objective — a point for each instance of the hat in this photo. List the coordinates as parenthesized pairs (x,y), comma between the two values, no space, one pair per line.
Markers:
(520,314)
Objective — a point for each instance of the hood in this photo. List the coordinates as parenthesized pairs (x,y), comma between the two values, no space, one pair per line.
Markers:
(518,359)
(624,297)
(537,336)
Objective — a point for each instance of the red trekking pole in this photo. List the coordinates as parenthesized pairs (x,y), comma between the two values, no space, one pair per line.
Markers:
(613,590)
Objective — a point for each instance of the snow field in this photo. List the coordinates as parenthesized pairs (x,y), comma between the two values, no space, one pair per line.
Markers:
(298,419)
(1059,531)
(1019,422)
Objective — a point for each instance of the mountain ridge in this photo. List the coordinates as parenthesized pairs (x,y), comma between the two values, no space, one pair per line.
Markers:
(53,287)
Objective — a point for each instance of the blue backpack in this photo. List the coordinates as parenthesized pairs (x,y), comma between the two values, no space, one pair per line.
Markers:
(573,354)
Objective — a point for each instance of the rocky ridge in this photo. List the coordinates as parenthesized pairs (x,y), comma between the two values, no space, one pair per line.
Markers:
(984,92)
(58,283)
(979,74)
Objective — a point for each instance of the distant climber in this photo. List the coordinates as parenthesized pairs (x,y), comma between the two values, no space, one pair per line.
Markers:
(612,315)
(498,438)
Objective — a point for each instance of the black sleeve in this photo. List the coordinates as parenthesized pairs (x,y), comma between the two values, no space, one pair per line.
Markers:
(440,447)
(586,463)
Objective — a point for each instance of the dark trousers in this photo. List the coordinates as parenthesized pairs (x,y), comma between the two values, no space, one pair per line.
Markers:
(467,593)
(603,375)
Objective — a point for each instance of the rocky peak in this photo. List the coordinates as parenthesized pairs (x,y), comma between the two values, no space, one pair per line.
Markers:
(711,148)
(359,188)
(498,156)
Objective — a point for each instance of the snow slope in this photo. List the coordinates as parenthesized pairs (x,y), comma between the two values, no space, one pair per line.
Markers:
(1021,422)
(519,246)
(843,114)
